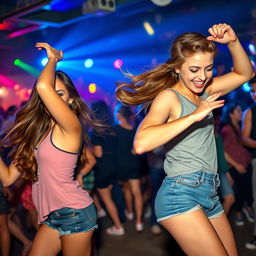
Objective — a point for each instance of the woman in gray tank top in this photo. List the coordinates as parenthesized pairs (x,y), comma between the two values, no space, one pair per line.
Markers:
(181,94)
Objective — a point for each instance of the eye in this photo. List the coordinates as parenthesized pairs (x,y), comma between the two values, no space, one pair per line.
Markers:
(60,94)
(193,70)
(209,69)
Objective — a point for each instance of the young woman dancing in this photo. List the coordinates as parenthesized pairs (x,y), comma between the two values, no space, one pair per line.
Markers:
(47,139)
(181,94)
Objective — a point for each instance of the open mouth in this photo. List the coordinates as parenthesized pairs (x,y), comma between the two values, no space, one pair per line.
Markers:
(198,84)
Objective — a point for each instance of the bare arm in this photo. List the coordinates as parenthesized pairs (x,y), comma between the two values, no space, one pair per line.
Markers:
(246,129)
(8,175)
(242,67)
(162,123)
(97,151)
(45,86)
(240,168)
(91,161)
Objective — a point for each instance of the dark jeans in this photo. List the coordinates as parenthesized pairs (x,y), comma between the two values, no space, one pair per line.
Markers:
(156,177)
(242,187)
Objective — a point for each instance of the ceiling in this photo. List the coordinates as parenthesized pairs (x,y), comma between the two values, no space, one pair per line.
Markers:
(116,34)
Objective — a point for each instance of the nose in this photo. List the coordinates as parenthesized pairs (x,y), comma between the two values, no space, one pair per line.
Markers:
(202,75)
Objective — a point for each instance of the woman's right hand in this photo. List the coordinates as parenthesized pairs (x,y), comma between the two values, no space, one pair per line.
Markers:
(207,105)
(52,53)
(240,168)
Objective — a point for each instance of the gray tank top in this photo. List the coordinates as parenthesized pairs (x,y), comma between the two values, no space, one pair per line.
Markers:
(194,149)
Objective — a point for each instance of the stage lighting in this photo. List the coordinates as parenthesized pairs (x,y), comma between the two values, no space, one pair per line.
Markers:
(148,28)
(92,88)
(246,87)
(88,63)
(99,6)
(252,49)
(16,62)
(44,61)
(161,2)
(118,64)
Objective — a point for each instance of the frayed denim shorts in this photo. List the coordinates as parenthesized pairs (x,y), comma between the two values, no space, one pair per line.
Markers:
(70,221)
(186,193)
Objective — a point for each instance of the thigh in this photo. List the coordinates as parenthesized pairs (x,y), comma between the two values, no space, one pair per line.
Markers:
(224,231)
(78,244)
(195,234)
(46,242)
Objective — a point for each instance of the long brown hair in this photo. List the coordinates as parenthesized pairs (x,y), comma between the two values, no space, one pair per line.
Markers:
(144,87)
(32,122)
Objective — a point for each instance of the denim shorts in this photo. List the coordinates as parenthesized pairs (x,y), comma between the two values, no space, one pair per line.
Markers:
(186,193)
(69,220)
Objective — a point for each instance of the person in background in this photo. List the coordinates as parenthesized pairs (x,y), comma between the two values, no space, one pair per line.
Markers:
(128,164)
(104,149)
(249,140)
(239,160)
(226,182)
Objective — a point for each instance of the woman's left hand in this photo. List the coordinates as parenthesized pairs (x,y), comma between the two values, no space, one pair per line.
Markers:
(222,33)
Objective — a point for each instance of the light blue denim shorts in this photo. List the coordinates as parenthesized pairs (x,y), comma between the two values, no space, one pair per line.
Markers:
(70,221)
(186,193)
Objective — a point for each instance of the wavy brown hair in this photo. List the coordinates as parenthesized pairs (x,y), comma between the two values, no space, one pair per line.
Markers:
(144,87)
(32,122)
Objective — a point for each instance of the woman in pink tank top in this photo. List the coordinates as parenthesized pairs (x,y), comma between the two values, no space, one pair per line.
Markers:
(46,138)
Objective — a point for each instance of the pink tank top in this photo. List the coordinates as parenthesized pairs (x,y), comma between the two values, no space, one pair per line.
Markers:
(56,187)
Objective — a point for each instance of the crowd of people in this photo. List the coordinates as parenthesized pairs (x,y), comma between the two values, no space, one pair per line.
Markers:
(68,164)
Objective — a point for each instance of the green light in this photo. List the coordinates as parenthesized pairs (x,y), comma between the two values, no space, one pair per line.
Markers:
(28,68)
(16,62)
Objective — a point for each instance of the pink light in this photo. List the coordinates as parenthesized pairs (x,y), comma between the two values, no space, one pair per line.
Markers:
(118,63)
(6,81)
(23,31)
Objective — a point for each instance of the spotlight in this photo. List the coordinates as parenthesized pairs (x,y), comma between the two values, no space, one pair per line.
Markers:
(44,61)
(246,87)
(92,88)
(118,63)
(88,63)
(148,28)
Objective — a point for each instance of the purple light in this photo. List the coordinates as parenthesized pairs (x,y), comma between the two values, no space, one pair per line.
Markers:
(118,63)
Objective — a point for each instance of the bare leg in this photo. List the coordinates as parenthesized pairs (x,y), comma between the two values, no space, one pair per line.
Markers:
(128,197)
(97,202)
(228,202)
(136,191)
(5,239)
(195,234)
(32,213)
(78,244)
(105,194)
(224,231)
(46,242)
(19,234)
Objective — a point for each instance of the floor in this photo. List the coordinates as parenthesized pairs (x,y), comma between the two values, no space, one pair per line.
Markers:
(144,243)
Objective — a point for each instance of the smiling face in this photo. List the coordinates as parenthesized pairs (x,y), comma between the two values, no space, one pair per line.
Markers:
(196,71)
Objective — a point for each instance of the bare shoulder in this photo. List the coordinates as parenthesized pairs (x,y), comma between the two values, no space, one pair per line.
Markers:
(167,97)
(164,107)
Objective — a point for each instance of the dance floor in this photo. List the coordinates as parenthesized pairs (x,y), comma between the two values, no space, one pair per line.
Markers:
(144,243)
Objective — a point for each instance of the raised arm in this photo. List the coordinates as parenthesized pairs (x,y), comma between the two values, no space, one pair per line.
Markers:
(162,123)
(246,129)
(242,67)
(45,86)
(8,175)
